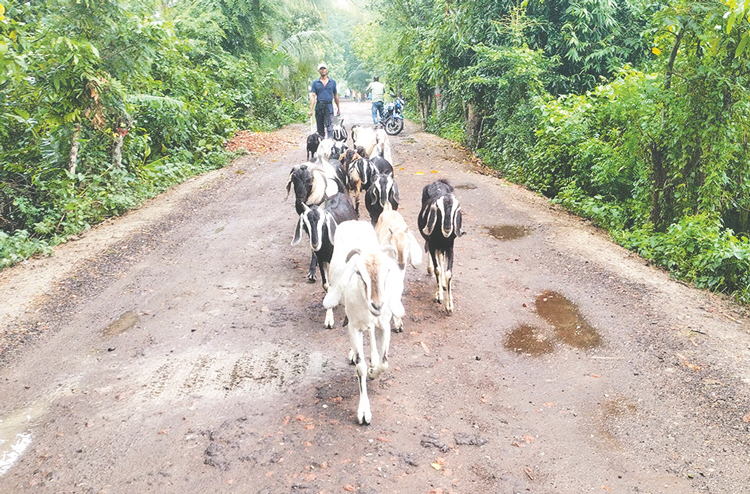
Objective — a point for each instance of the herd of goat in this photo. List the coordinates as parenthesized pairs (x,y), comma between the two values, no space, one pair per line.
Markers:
(362,264)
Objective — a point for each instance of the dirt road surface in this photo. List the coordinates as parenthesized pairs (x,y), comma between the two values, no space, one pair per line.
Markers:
(179,349)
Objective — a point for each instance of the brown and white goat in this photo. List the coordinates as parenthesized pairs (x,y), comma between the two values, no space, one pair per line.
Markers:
(367,280)
(392,230)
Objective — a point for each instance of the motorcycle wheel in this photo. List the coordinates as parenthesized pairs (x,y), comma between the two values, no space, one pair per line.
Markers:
(393,126)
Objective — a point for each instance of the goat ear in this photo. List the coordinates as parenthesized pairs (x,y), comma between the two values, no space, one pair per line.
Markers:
(375,197)
(298,232)
(393,196)
(415,253)
(288,187)
(457,222)
(352,253)
(333,297)
(331,228)
(390,251)
(431,219)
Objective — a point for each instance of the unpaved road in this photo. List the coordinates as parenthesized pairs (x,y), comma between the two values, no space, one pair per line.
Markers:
(179,349)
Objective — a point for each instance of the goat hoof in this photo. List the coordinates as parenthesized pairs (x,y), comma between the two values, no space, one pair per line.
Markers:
(365,417)
(311,279)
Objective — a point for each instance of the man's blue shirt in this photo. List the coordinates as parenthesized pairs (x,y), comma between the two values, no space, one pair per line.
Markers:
(324,93)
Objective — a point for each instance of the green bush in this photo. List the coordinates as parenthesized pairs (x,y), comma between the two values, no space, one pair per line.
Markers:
(698,250)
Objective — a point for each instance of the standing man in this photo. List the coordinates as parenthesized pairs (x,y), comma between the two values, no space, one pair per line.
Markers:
(322,94)
(377,89)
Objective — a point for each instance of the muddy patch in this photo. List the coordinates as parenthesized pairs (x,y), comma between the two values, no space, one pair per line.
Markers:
(16,435)
(465,186)
(122,324)
(528,340)
(508,232)
(616,416)
(262,371)
(569,324)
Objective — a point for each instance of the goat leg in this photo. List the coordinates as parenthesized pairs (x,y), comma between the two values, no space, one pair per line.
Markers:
(448,277)
(398,324)
(430,260)
(383,337)
(364,414)
(313,265)
(436,258)
(330,322)
(373,371)
(324,274)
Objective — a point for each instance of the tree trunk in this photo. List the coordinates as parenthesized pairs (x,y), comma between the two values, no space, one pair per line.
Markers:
(425,105)
(74,151)
(117,152)
(658,179)
(473,125)
(672,57)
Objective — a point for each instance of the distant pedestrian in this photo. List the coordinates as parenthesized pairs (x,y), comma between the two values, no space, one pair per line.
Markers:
(377,91)
(322,95)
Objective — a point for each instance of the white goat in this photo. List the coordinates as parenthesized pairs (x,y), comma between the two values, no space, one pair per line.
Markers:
(366,278)
(392,230)
(383,149)
(364,137)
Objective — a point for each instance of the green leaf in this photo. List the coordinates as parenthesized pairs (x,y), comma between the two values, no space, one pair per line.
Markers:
(743,44)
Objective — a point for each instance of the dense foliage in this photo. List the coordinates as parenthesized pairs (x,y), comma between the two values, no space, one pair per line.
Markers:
(634,114)
(104,103)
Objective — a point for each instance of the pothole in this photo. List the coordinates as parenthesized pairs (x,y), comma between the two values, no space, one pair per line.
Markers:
(528,340)
(508,232)
(122,324)
(16,435)
(569,324)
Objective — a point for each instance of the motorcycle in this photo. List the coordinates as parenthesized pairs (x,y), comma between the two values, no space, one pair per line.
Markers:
(392,120)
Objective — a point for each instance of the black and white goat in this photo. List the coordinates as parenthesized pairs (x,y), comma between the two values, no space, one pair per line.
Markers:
(320,223)
(362,173)
(327,156)
(339,148)
(312,184)
(382,195)
(440,223)
(367,280)
(339,132)
(392,230)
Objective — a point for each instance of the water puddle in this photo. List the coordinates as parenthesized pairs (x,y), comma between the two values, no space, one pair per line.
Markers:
(122,324)
(465,186)
(569,324)
(528,341)
(508,232)
(15,434)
